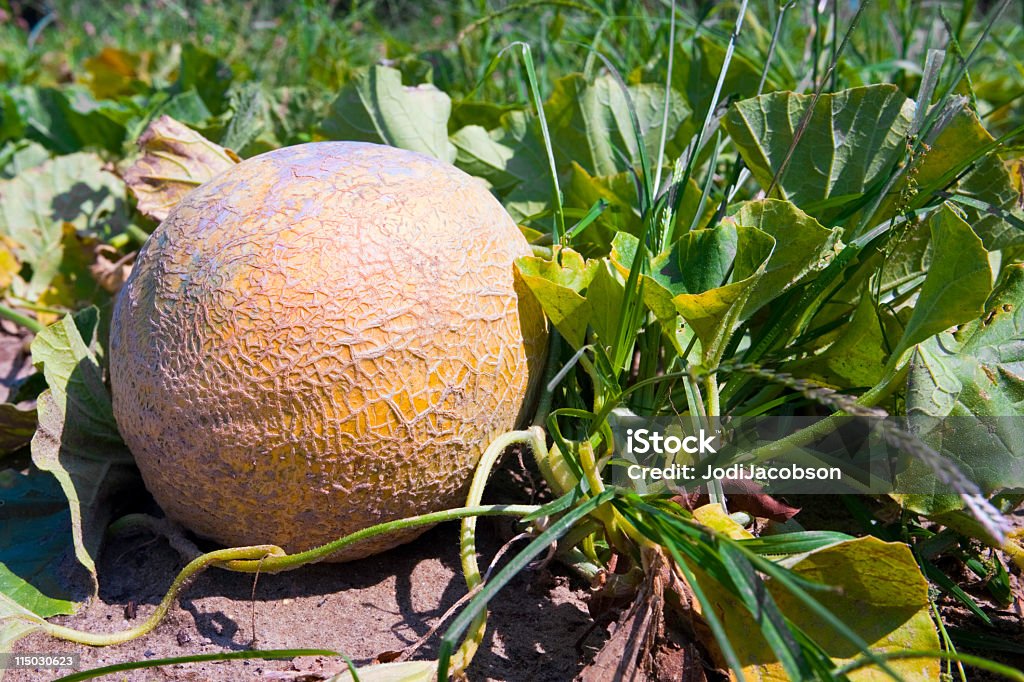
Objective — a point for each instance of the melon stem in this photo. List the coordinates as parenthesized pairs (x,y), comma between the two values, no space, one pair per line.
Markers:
(25,321)
(265,559)
(535,438)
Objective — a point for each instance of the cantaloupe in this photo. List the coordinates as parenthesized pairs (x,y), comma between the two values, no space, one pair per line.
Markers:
(322,338)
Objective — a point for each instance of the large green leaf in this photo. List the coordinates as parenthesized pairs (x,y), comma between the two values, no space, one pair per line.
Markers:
(12,125)
(77,439)
(483,153)
(206,74)
(511,159)
(957,283)
(35,543)
(852,142)
(376,107)
(876,589)
(35,206)
(802,247)
(590,122)
(657,295)
(977,381)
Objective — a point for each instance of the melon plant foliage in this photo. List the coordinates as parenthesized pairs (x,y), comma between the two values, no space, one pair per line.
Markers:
(857,248)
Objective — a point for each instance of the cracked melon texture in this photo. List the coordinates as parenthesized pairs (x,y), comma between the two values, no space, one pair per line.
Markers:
(322,338)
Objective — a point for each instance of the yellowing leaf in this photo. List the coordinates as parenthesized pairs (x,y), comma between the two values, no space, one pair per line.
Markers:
(802,246)
(405,671)
(878,592)
(175,160)
(115,72)
(73,285)
(557,285)
(711,274)
(857,357)
(714,517)
(8,266)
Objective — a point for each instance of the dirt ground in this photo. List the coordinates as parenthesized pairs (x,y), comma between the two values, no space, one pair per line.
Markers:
(364,608)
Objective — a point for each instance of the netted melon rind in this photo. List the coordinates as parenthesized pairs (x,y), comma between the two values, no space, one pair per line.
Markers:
(322,338)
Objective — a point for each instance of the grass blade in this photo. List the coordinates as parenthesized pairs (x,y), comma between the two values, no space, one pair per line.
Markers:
(267,654)
(502,578)
(774,628)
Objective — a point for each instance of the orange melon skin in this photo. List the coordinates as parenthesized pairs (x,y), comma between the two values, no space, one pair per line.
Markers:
(323,338)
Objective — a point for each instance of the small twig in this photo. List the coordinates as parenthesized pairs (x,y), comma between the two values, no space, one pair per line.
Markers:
(252,603)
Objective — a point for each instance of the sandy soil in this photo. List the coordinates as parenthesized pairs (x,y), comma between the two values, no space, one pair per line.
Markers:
(363,608)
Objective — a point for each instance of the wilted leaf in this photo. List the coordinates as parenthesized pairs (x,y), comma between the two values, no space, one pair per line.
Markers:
(714,516)
(557,285)
(376,107)
(111,274)
(77,440)
(175,160)
(35,545)
(37,204)
(878,592)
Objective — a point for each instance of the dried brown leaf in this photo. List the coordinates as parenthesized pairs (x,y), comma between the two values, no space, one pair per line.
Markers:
(175,160)
(111,274)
